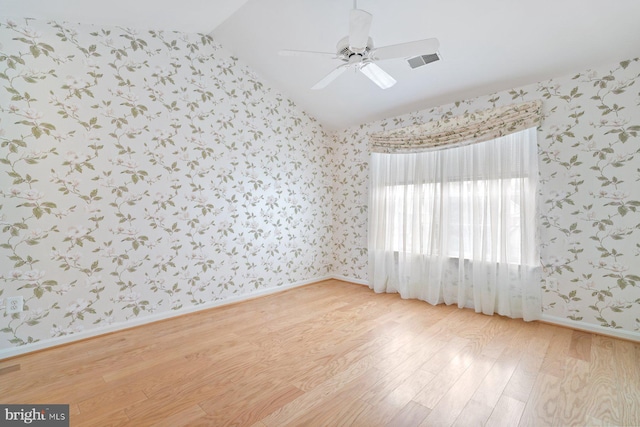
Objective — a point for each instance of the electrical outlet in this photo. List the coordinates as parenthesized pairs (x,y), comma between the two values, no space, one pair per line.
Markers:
(14,304)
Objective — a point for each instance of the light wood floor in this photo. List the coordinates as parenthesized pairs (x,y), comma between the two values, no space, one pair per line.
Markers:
(332,354)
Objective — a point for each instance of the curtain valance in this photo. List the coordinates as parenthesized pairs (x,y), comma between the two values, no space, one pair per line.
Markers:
(466,129)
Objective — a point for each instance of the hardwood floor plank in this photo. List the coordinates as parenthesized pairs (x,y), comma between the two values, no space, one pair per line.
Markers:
(109,419)
(559,346)
(493,385)
(515,348)
(385,404)
(521,382)
(214,344)
(337,411)
(402,395)
(247,407)
(335,353)
(580,346)
(447,410)
(211,370)
(9,368)
(448,354)
(156,409)
(447,375)
(412,414)
(397,375)
(64,364)
(507,413)
(158,375)
(503,332)
(543,404)
(296,414)
(329,366)
(111,400)
(474,414)
(187,417)
(573,391)
(70,389)
(627,375)
(602,402)
(74,409)
(360,374)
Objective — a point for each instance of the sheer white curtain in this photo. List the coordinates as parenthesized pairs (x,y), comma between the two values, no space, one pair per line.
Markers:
(458,225)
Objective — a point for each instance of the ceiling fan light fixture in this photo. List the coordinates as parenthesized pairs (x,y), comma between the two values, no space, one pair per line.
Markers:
(377,75)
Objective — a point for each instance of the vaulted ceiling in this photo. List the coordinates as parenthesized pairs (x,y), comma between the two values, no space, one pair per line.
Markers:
(485,46)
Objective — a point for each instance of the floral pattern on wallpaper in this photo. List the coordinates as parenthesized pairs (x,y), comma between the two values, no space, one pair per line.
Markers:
(144,172)
(589,197)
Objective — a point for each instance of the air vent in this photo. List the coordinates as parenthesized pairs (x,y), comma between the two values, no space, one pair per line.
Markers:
(419,61)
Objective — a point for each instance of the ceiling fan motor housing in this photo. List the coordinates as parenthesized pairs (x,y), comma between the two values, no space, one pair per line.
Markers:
(346,53)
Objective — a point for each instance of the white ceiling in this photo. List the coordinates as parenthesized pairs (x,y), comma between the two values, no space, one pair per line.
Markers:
(195,16)
(486,45)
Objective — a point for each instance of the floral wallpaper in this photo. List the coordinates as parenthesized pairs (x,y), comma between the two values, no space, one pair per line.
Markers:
(589,196)
(143,172)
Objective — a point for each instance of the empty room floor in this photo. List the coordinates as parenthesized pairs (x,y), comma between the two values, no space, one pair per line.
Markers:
(335,353)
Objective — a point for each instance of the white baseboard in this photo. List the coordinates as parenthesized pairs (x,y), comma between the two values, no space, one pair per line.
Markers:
(57,341)
(590,327)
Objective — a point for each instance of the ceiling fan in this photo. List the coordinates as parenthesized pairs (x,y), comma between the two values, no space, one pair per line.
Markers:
(357,51)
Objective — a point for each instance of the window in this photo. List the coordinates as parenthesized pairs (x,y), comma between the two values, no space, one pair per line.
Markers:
(474,203)
(461,220)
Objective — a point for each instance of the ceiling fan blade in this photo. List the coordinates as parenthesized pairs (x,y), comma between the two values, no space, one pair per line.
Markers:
(330,77)
(306,53)
(405,50)
(359,25)
(377,75)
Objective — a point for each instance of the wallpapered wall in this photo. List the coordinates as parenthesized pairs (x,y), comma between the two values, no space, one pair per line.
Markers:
(147,172)
(589,193)
(143,173)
